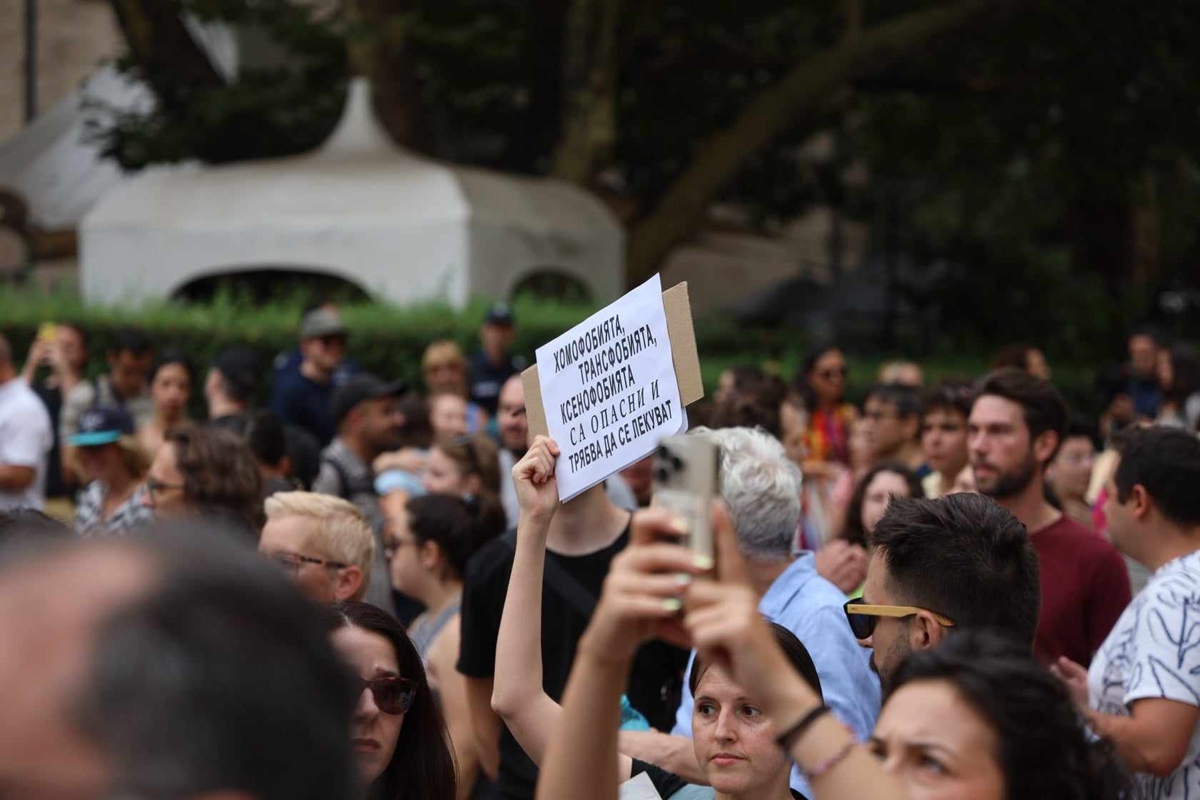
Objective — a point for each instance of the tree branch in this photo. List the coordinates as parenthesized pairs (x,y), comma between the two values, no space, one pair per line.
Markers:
(163,47)
(802,94)
(590,126)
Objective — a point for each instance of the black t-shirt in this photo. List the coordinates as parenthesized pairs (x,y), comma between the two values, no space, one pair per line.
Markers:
(306,404)
(654,679)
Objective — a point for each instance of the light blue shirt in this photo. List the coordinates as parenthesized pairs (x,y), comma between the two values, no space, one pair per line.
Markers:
(811,607)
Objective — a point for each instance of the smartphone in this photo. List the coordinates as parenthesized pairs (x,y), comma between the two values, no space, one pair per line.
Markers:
(686,481)
(47,332)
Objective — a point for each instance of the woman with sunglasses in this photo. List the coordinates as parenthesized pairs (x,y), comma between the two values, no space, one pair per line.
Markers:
(398,733)
(822,382)
(976,719)
(427,543)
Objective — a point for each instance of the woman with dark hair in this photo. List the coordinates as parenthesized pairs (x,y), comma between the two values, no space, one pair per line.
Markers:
(1179,380)
(822,381)
(427,542)
(170,387)
(206,472)
(990,708)
(1023,357)
(398,733)
(469,466)
(975,719)
(872,495)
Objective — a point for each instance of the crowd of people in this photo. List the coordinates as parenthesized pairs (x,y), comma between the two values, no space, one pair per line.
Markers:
(362,588)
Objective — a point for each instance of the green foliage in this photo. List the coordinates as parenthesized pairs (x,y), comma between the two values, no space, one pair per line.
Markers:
(384,339)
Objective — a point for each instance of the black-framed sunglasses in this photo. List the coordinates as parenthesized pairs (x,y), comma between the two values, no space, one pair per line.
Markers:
(391,695)
(863,617)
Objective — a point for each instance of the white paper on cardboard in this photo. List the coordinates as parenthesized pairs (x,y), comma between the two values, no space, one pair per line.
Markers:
(609,389)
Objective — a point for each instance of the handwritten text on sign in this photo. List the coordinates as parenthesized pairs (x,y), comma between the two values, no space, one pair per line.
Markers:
(609,389)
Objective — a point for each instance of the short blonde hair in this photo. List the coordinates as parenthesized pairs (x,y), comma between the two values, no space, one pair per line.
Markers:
(342,531)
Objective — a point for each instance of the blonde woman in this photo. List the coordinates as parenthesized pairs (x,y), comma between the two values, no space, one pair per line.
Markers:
(108,454)
(445,371)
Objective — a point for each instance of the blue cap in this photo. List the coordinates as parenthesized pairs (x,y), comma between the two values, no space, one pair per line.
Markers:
(98,426)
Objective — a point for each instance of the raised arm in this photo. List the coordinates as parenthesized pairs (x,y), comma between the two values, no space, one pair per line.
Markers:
(517,693)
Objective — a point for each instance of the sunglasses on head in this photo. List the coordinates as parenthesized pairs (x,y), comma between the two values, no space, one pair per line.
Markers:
(863,617)
(392,695)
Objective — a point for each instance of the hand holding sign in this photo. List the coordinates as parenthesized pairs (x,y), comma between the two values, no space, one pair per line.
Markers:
(537,490)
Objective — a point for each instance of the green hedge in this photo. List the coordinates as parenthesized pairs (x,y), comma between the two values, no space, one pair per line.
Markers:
(389,340)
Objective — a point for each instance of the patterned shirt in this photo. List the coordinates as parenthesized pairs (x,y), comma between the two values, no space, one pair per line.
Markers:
(89,512)
(1152,652)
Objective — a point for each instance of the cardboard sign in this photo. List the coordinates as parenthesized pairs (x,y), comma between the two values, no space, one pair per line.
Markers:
(613,379)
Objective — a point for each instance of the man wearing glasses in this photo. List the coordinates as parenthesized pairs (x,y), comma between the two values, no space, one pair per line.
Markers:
(940,565)
(891,421)
(323,543)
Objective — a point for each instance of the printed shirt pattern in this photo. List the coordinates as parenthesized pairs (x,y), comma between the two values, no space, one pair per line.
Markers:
(89,513)
(1154,652)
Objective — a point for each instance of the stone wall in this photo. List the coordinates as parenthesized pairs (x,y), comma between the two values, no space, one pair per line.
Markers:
(74,38)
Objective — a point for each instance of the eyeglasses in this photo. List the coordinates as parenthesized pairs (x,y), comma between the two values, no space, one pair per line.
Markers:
(863,617)
(830,374)
(154,487)
(332,340)
(292,562)
(391,695)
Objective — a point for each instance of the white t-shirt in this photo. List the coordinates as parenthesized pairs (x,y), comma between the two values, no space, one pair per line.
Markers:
(1154,651)
(26,437)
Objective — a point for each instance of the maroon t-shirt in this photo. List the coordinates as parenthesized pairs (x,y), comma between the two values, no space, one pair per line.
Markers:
(1085,587)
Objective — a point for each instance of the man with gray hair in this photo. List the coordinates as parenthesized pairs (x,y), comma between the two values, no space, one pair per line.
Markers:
(176,665)
(761,487)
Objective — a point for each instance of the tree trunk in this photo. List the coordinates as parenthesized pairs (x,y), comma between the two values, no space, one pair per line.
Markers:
(379,52)
(802,94)
(539,127)
(163,47)
(589,129)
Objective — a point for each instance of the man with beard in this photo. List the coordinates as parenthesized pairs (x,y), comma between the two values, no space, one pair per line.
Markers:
(940,566)
(1017,423)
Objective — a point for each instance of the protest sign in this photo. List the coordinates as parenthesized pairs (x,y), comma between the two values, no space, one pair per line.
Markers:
(610,388)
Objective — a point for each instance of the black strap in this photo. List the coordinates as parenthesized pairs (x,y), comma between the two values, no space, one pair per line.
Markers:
(343,478)
(563,582)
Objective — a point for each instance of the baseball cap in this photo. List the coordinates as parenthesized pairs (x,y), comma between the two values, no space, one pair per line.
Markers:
(99,426)
(322,322)
(239,367)
(360,388)
(499,314)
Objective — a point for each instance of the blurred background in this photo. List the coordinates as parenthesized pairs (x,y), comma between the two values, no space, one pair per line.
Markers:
(927,179)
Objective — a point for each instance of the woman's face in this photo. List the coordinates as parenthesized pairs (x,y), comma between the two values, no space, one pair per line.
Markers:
(444,376)
(170,389)
(405,564)
(165,483)
(828,377)
(448,416)
(734,741)
(938,745)
(793,422)
(373,733)
(880,491)
(442,475)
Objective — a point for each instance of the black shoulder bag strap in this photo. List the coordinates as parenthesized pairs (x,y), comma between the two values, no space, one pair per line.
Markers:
(569,589)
